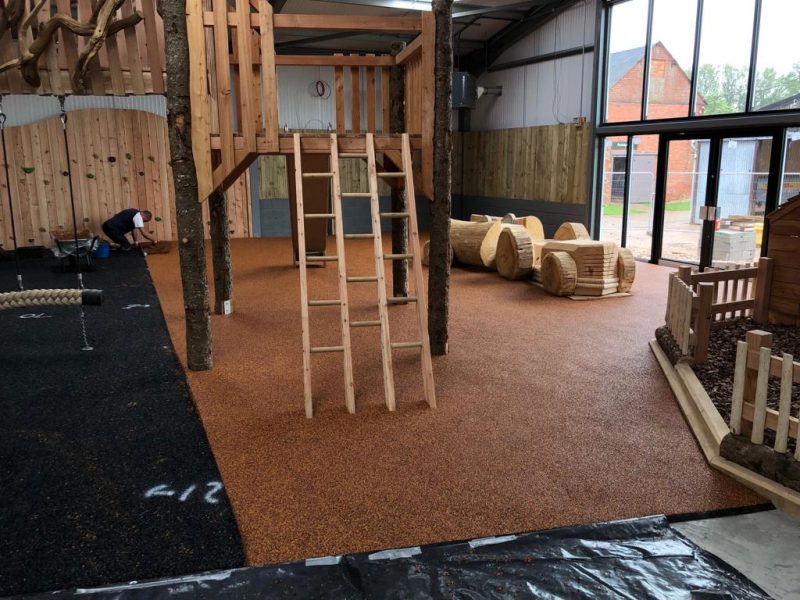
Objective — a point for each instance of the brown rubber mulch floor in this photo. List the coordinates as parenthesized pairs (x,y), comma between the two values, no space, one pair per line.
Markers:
(551,413)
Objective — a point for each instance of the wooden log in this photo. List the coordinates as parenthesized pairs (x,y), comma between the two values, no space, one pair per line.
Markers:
(514,253)
(559,274)
(467,238)
(489,244)
(572,231)
(626,270)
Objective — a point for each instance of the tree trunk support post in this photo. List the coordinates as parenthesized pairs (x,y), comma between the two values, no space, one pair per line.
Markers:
(440,257)
(397,124)
(189,212)
(221,251)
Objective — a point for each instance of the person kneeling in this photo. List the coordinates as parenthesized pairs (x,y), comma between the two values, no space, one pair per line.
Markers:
(129,221)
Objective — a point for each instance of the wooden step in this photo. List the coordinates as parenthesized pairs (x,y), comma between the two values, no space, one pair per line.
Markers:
(312,258)
(398,256)
(365,323)
(394,215)
(324,302)
(353,155)
(317,175)
(361,279)
(323,349)
(401,299)
(319,216)
(402,345)
(358,236)
(389,174)
(356,195)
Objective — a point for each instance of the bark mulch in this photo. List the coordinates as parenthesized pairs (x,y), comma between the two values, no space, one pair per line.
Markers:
(716,374)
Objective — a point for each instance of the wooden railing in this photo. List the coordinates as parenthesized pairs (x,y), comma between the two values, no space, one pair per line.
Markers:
(680,302)
(749,412)
(716,297)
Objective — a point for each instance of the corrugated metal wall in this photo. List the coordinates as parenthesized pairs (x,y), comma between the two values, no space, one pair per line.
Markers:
(26,109)
(546,93)
(299,106)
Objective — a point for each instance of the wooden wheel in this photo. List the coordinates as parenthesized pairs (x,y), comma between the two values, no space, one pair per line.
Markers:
(559,274)
(626,270)
(514,253)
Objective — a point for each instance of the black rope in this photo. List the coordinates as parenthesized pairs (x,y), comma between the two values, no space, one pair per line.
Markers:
(8,195)
(61,100)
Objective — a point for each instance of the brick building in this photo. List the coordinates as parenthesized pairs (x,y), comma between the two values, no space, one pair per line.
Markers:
(670,89)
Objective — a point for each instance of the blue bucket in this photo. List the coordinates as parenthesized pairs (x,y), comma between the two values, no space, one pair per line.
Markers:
(103,250)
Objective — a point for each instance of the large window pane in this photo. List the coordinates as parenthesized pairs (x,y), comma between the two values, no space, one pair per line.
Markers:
(639,238)
(725,40)
(627,40)
(790,185)
(613,191)
(671,56)
(778,63)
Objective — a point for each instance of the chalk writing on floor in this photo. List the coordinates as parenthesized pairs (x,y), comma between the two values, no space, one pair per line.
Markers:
(205,492)
(130,306)
(35,316)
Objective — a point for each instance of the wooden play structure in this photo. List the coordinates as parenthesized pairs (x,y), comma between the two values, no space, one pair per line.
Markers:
(235,119)
(235,99)
(781,278)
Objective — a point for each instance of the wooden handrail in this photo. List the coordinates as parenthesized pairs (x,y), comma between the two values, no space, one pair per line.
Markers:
(731,275)
(328,22)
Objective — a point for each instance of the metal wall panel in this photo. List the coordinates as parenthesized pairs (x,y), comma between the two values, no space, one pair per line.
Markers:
(568,30)
(544,93)
(26,109)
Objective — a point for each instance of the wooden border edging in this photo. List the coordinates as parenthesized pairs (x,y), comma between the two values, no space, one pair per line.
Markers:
(709,428)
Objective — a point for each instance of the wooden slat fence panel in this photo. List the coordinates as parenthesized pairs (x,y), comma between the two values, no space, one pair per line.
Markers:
(547,163)
(124,163)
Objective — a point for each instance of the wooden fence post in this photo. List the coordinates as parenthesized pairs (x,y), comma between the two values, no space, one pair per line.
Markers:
(685,275)
(702,323)
(762,291)
(756,340)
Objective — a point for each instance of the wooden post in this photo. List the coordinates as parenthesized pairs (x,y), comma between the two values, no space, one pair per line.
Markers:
(756,340)
(397,124)
(702,322)
(685,275)
(762,291)
(220,250)
(189,212)
(440,257)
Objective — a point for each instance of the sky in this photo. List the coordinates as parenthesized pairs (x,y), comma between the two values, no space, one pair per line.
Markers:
(726,33)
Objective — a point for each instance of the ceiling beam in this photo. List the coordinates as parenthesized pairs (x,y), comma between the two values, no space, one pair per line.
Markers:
(496,9)
(477,61)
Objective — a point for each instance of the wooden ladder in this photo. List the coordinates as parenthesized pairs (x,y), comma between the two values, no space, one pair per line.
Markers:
(379,278)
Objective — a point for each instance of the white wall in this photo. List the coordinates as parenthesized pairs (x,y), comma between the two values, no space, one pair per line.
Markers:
(300,108)
(555,91)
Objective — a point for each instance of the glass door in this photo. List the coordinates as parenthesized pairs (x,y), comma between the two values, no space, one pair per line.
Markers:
(685,201)
(741,200)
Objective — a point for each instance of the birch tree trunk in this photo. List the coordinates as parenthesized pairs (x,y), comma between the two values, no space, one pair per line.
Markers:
(440,258)
(189,211)
(220,249)
(397,124)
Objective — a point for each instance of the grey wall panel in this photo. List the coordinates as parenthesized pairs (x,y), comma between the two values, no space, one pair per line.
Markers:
(275,221)
(552,214)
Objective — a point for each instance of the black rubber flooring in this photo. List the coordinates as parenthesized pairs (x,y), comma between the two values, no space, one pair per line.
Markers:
(106,474)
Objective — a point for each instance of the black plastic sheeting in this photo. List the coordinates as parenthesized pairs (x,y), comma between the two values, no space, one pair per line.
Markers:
(637,559)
